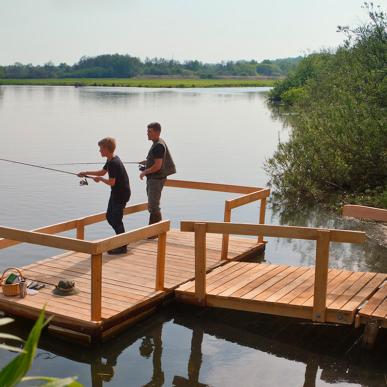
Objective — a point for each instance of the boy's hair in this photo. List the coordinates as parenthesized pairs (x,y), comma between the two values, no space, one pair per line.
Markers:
(155,126)
(109,143)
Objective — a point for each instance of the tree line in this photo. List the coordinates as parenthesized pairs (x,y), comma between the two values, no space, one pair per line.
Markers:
(126,66)
(337,148)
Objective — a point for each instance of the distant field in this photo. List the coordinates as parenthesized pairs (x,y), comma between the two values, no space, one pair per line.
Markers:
(134,82)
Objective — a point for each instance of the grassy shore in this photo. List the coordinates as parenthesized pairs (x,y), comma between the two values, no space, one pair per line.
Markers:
(139,82)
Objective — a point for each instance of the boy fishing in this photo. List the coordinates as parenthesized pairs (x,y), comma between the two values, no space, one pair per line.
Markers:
(118,181)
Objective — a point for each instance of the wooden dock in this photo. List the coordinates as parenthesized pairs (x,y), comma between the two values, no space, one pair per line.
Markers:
(198,264)
(116,291)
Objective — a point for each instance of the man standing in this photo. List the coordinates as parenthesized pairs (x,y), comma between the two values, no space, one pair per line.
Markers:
(157,166)
(120,190)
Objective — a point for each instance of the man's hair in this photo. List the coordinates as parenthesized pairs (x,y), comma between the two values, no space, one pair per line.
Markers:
(109,143)
(155,126)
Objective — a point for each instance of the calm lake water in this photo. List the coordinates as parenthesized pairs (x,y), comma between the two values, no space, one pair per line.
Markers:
(218,135)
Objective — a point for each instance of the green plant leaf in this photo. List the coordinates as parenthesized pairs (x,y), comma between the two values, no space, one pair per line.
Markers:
(54,382)
(10,337)
(11,348)
(6,320)
(14,371)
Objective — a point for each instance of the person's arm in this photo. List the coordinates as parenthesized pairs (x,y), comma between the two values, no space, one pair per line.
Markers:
(111,181)
(154,168)
(101,172)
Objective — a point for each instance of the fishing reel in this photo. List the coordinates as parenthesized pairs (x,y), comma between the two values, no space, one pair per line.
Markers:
(83,182)
(141,167)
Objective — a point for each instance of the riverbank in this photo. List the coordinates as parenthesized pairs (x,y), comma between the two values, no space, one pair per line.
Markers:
(143,82)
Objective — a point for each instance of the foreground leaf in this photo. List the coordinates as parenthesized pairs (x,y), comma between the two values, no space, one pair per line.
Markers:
(14,371)
(54,382)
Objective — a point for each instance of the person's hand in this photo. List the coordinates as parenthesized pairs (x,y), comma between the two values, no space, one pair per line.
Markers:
(142,174)
(97,179)
(81,174)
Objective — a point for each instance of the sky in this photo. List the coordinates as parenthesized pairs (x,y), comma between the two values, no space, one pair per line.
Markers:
(40,31)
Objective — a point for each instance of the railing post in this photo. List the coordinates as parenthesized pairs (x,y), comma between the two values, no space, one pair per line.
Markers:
(200,262)
(81,229)
(226,237)
(262,212)
(96,287)
(160,265)
(321,275)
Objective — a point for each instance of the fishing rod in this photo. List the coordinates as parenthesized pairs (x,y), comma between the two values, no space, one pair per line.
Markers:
(123,162)
(82,182)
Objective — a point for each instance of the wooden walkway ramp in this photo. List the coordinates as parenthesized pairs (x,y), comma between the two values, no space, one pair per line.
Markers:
(285,290)
(317,293)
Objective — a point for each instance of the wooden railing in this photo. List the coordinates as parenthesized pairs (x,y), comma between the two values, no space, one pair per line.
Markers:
(251,194)
(363,212)
(43,237)
(322,236)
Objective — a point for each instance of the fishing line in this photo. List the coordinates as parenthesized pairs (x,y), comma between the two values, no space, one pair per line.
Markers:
(82,182)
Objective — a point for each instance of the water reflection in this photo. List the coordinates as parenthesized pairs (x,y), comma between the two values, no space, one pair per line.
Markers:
(187,346)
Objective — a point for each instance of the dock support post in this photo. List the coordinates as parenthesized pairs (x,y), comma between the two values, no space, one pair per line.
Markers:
(96,287)
(321,276)
(226,237)
(160,265)
(81,229)
(370,333)
(262,212)
(200,262)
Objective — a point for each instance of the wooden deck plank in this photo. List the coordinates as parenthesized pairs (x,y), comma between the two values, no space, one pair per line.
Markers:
(296,283)
(283,283)
(378,298)
(269,282)
(293,297)
(274,270)
(237,277)
(365,292)
(340,301)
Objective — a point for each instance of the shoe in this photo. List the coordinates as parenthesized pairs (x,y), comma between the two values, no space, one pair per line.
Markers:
(118,250)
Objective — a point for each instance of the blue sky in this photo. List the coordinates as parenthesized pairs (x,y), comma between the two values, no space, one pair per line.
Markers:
(209,30)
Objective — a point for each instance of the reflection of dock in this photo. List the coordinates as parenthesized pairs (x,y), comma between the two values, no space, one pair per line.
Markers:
(118,291)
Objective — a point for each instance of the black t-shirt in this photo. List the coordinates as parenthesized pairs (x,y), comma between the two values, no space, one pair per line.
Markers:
(158,151)
(116,170)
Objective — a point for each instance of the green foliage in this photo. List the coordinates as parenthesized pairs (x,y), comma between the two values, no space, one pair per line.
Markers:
(14,372)
(125,66)
(338,145)
(142,82)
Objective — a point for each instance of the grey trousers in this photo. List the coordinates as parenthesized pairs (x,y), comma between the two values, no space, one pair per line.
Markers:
(153,190)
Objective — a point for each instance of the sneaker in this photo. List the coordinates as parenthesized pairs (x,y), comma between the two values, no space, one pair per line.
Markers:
(118,250)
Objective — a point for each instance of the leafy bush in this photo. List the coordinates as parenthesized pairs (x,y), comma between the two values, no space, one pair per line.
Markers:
(338,145)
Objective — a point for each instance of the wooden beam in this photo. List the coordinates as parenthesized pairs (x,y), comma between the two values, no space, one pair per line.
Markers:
(262,213)
(81,229)
(210,186)
(200,263)
(160,268)
(100,217)
(72,224)
(96,287)
(364,212)
(249,198)
(38,238)
(226,237)
(321,276)
(52,229)
(307,233)
(115,241)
